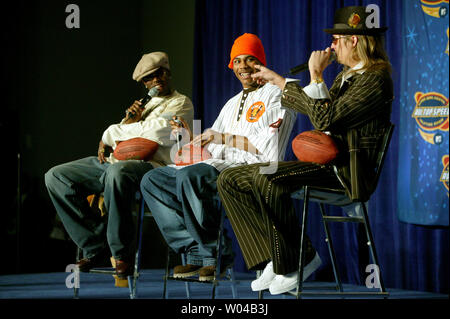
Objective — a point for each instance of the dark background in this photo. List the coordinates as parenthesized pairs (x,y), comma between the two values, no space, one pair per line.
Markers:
(61,89)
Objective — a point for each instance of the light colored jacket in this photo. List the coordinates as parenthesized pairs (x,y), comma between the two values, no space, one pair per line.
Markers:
(154,126)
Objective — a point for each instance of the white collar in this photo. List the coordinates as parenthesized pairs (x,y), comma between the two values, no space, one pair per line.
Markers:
(358,68)
(349,72)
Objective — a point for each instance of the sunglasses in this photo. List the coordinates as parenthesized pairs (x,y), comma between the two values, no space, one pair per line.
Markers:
(157,74)
(335,40)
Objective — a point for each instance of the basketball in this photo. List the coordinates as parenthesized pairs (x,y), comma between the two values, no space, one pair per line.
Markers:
(135,149)
(191,154)
(314,147)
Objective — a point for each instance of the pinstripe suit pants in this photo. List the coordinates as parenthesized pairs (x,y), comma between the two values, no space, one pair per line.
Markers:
(261,211)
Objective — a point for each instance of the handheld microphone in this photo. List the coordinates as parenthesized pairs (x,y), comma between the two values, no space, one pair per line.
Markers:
(151,93)
(304,66)
(179,136)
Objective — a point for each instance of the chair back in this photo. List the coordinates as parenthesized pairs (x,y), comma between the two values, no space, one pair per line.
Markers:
(383,147)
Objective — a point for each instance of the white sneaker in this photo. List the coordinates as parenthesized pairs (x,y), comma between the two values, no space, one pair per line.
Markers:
(264,281)
(284,283)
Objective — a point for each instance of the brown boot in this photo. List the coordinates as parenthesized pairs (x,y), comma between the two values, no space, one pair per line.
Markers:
(206,273)
(124,269)
(185,271)
(99,260)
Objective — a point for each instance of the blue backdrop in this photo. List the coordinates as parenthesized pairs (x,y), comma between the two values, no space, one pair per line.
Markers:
(411,256)
(423,177)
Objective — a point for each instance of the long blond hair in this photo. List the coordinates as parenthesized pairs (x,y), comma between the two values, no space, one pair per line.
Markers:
(370,50)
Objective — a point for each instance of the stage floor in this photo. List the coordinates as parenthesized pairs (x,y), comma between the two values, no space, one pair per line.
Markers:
(150,286)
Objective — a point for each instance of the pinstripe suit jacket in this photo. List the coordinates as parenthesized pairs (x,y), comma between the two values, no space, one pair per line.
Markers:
(357,115)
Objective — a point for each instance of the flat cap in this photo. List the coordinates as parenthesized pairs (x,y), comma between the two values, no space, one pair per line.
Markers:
(149,63)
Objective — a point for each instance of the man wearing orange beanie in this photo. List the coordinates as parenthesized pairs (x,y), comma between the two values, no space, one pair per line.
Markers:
(248,44)
(252,127)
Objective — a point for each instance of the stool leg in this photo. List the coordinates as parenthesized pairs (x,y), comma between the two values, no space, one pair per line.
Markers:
(75,293)
(218,255)
(132,286)
(261,292)
(233,283)
(186,284)
(371,245)
(132,280)
(76,290)
(165,292)
(331,250)
(302,237)
(213,294)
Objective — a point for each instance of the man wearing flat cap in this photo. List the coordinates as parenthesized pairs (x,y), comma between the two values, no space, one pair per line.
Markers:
(69,184)
(357,106)
(252,127)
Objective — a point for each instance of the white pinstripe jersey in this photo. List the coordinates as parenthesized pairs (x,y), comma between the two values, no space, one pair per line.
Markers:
(261,113)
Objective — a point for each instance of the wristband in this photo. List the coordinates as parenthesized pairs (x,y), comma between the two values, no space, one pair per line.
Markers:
(317,80)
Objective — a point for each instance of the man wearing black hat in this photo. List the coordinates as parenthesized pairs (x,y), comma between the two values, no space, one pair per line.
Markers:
(69,184)
(358,103)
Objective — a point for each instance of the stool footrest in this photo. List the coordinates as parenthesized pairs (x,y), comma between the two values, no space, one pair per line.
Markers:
(343,219)
(198,281)
(339,293)
(107,271)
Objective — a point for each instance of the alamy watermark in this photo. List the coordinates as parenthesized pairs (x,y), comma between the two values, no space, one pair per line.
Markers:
(373,279)
(373,19)
(73,279)
(230,155)
(73,19)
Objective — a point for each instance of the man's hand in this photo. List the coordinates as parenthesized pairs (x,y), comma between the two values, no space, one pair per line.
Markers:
(238,141)
(265,75)
(209,136)
(177,123)
(102,148)
(133,113)
(318,61)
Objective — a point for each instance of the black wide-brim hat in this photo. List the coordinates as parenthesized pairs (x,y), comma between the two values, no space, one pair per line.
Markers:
(352,20)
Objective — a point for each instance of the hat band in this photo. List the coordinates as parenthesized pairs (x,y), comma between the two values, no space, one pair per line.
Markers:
(346,26)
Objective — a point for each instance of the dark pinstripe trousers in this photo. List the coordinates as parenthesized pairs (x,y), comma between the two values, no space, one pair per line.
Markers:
(261,211)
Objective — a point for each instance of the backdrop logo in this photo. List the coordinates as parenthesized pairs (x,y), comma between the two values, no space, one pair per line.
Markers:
(444,175)
(431,114)
(435,8)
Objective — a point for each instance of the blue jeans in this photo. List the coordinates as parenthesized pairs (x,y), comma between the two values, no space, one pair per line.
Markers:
(69,184)
(186,207)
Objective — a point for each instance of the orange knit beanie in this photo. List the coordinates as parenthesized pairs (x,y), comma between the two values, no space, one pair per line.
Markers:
(247,44)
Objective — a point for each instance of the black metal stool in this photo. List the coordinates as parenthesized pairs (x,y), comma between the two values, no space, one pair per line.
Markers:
(132,279)
(215,281)
(338,197)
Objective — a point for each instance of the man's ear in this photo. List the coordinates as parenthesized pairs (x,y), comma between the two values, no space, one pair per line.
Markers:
(354,41)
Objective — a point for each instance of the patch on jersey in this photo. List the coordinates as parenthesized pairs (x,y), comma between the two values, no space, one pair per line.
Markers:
(276,124)
(255,112)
